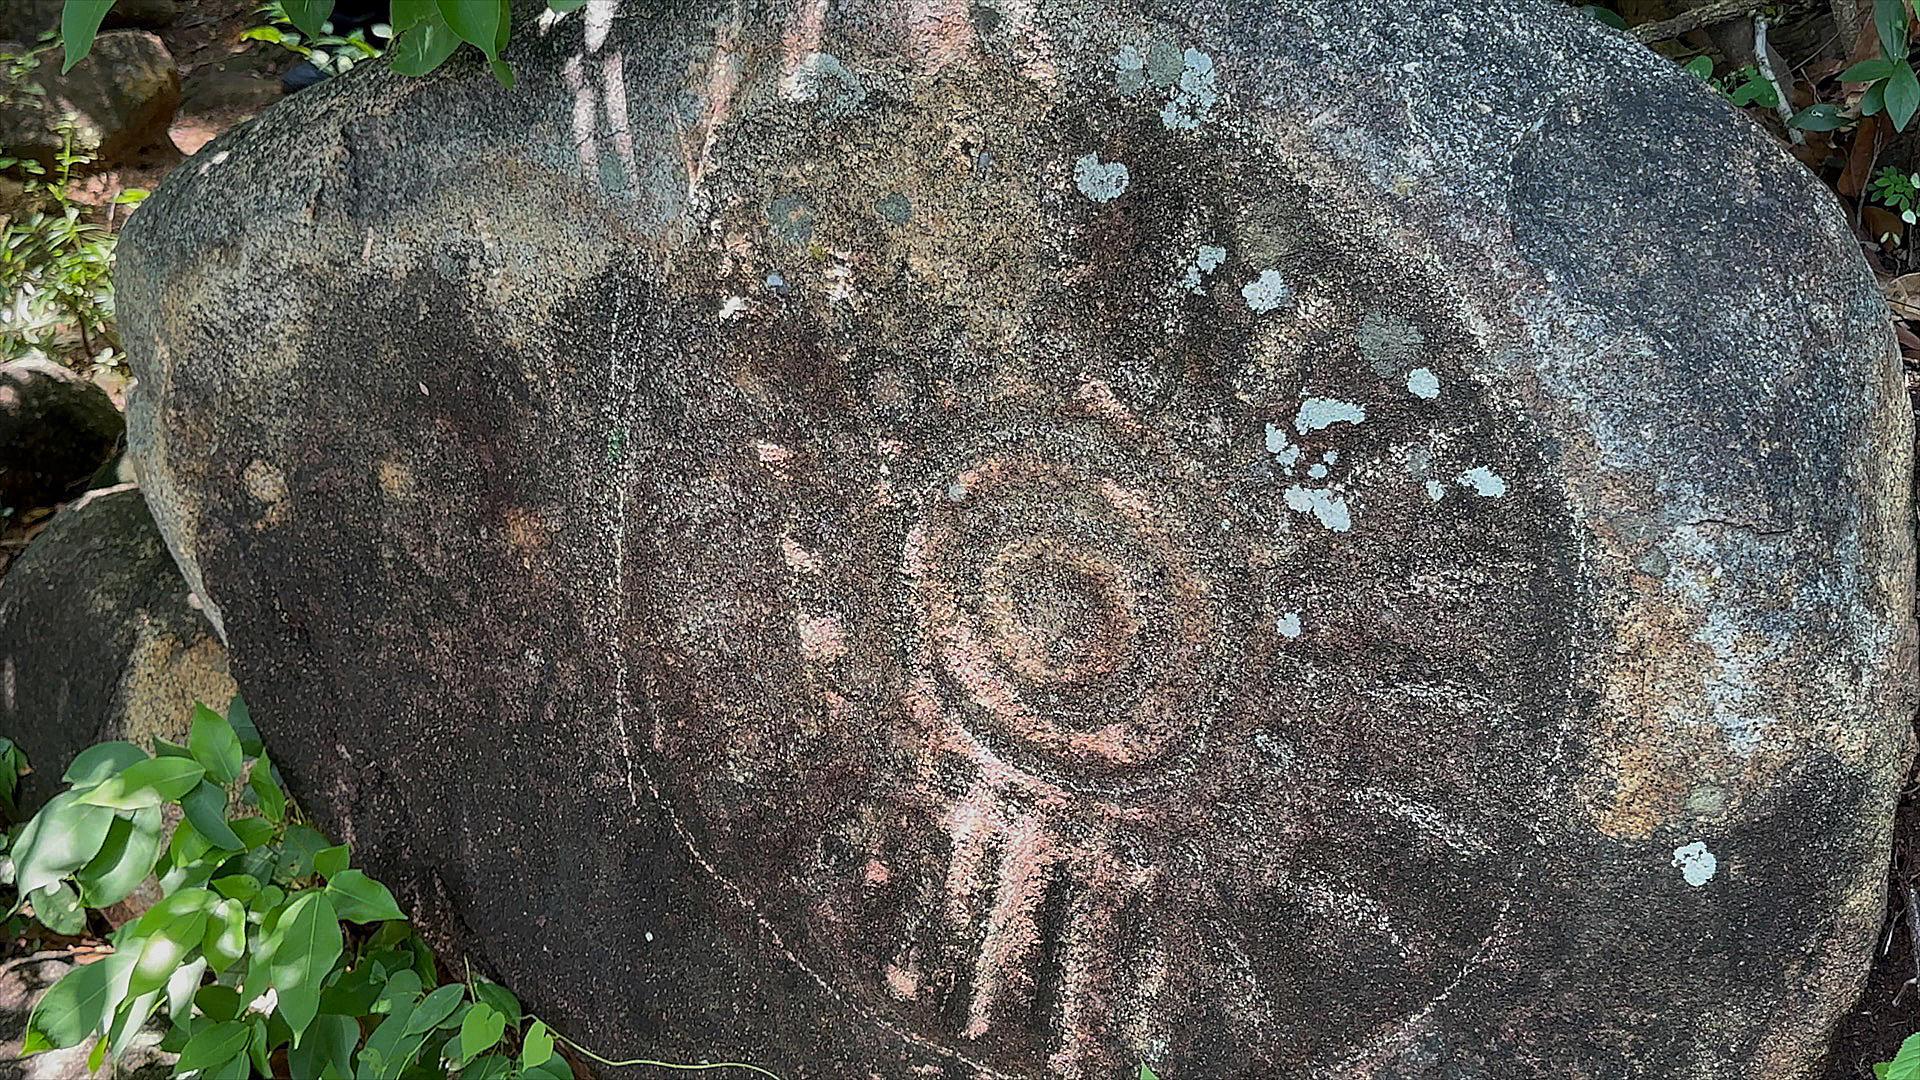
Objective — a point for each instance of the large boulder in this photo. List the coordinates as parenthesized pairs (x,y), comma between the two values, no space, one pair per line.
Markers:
(116,103)
(1305,538)
(100,639)
(57,430)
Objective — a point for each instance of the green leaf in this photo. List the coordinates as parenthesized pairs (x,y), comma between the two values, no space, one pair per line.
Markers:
(240,718)
(424,47)
(77,1006)
(477,22)
(329,1043)
(360,899)
(78,25)
(563,6)
(436,1007)
(1874,100)
(241,887)
(213,1044)
(537,1047)
(556,1069)
(182,987)
(404,15)
(308,15)
(502,73)
(297,849)
(147,783)
(500,999)
(259,1046)
(1867,71)
(253,832)
(1818,118)
(1700,67)
(1903,95)
(98,762)
(480,1031)
(226,936)
(1148,1074)
(215,745)
(306,943)
(124,860)
(1594,11)
(165,948)
(206,808)
(58,908)
(331,861)
(63,837)
(273,801)
(1906,1062)
(1891,20)
(219,1002)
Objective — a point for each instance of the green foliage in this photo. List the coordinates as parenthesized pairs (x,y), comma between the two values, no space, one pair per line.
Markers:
(292,25)
(265,941)
(1148,1074)
(1905,1064)
(267,952)
(1892,87)
(56,268)
(79,22)
(1743,86)
(1897,191)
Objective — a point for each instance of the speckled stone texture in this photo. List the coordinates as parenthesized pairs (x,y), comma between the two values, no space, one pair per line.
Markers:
(100,639)
(1282,539)
(57,430)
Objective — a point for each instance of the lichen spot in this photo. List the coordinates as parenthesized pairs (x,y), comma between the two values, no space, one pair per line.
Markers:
(896,208)
(1287,625)
(1101,181)
(1327,507)
(1423,383)
(821,637)
(1285,454)
(1205,261)
(1316,413)
(1695,863)
(1268,292)
(1189,102)
(1483,481)
(1436,490)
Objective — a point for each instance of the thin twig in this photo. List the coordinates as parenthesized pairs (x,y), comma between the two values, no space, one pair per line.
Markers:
(1764,62)
(1913,925)
(1718,11)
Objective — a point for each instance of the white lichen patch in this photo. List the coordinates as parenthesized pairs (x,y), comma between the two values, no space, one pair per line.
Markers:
(1328,506)
(1423,383)
(1285,454)
(1436,490)
(1695,863)
(1316,413)
(1288,624)
(1318,470)
(1483,481)
(1206,259)
(733,308)
(1194,96)
(1101,181)
(1268,292)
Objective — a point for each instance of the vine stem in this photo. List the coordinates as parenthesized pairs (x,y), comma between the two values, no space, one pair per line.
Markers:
(652,1064)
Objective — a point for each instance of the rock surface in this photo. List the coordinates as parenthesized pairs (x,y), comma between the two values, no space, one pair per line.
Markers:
(99,639)
(119,100)
(56,431)
(23,981)
(1292,539)
(26,20)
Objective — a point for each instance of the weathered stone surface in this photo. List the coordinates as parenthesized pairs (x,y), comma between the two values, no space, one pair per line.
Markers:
(26,20)
(100,639)
(23,981)
(1284,539)
(56,430)
(119,101)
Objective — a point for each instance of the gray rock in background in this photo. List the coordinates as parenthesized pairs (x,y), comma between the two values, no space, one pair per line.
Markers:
(118,100)
(99,640)
(1284,539)
(26,20)
(57,430)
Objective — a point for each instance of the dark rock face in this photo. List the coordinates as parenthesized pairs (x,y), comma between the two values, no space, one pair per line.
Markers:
(99,639)
(1010,542)
(56,431)
(119,101)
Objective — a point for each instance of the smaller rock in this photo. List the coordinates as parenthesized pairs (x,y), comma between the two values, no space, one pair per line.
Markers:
(56,432)
(99,639)
(119,101)
(26,20)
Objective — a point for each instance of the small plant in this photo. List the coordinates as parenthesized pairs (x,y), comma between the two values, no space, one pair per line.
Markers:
(56,268)
(329,52)
(1897,191)
(1891,85)
(268,952)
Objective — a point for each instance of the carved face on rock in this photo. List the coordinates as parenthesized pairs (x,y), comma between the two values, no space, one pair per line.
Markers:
(1172,659)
